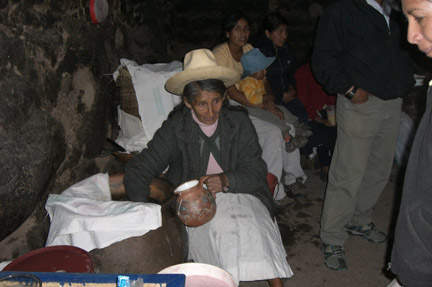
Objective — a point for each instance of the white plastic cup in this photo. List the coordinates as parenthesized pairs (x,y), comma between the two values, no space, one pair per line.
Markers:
(331,114)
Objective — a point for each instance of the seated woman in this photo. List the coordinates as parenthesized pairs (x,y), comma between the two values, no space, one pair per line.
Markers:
(285,165)
(281,73)
(204,136)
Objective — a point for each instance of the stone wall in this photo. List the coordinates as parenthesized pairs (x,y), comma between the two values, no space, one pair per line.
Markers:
(57,95)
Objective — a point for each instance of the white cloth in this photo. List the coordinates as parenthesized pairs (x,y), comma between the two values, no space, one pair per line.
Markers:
(278,160)
(4,264)
(241,239)
(131,136)
(154,102)
(84,216)
(394,283)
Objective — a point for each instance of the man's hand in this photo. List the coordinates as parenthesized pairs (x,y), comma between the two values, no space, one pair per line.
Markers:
(360,97)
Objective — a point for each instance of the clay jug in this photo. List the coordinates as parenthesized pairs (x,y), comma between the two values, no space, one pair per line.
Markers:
(195,205)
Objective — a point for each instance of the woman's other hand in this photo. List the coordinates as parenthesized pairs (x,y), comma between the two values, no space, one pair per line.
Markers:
(268,97)
(216,183)
(277,112)
(269,105)
(268,102)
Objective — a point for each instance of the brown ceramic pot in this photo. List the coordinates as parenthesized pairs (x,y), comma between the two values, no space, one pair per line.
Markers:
(148,253)
(195,205)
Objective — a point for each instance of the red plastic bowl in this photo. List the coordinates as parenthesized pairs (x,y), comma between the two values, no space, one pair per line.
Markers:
(52,259)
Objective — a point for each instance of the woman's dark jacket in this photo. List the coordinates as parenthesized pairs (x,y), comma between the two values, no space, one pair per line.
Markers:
(280,74)
(176,145)
(354,46)
(412,249)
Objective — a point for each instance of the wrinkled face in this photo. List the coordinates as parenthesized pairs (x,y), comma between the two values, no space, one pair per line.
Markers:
(206,106)
(419,15)
(278,36)
(239,35)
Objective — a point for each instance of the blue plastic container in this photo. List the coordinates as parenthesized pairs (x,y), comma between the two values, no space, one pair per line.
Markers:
(67,279)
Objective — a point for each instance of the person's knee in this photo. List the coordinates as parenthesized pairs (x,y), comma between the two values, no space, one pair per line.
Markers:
(270,133)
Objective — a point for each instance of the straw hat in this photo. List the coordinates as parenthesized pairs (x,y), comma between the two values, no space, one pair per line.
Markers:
(200,65)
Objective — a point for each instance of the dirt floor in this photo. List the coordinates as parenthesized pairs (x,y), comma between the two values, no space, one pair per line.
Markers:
(367,261)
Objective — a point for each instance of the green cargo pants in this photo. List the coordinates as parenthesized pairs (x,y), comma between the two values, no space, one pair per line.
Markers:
(361,164)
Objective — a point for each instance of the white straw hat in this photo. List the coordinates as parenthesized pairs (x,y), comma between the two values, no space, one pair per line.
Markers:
(200,65)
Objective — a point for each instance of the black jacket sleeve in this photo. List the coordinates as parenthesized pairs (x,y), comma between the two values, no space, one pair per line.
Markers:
(150,163)
(328,49)
(249,170)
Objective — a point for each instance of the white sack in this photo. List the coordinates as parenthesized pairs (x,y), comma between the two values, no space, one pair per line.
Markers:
(154,102)
(131,136)
(84,216)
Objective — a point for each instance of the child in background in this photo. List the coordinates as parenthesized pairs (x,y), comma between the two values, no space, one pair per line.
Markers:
(316,101)
(255,87)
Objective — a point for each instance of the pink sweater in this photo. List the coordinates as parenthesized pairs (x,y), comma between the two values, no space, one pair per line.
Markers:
(213,167)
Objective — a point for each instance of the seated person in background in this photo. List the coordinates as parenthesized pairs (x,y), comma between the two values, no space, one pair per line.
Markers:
(255,87)
(205,136)
(316,100)
(284,165)
(280,74)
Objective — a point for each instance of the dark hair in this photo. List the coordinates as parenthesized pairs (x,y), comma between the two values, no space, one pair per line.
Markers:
(230,21)
(193,89)
(273,20)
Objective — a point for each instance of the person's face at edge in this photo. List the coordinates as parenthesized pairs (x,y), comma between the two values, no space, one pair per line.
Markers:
(419,15)
(239,35)
(278,36)
(207,106)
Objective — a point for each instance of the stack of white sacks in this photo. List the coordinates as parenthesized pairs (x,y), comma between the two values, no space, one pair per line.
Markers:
(84,214)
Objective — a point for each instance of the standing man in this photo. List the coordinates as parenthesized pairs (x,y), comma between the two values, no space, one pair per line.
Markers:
(358,56)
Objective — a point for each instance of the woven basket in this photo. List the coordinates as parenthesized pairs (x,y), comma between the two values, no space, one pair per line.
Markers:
(128,101)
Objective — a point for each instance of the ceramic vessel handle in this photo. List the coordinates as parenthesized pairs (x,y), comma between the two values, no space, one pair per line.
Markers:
(202,181)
